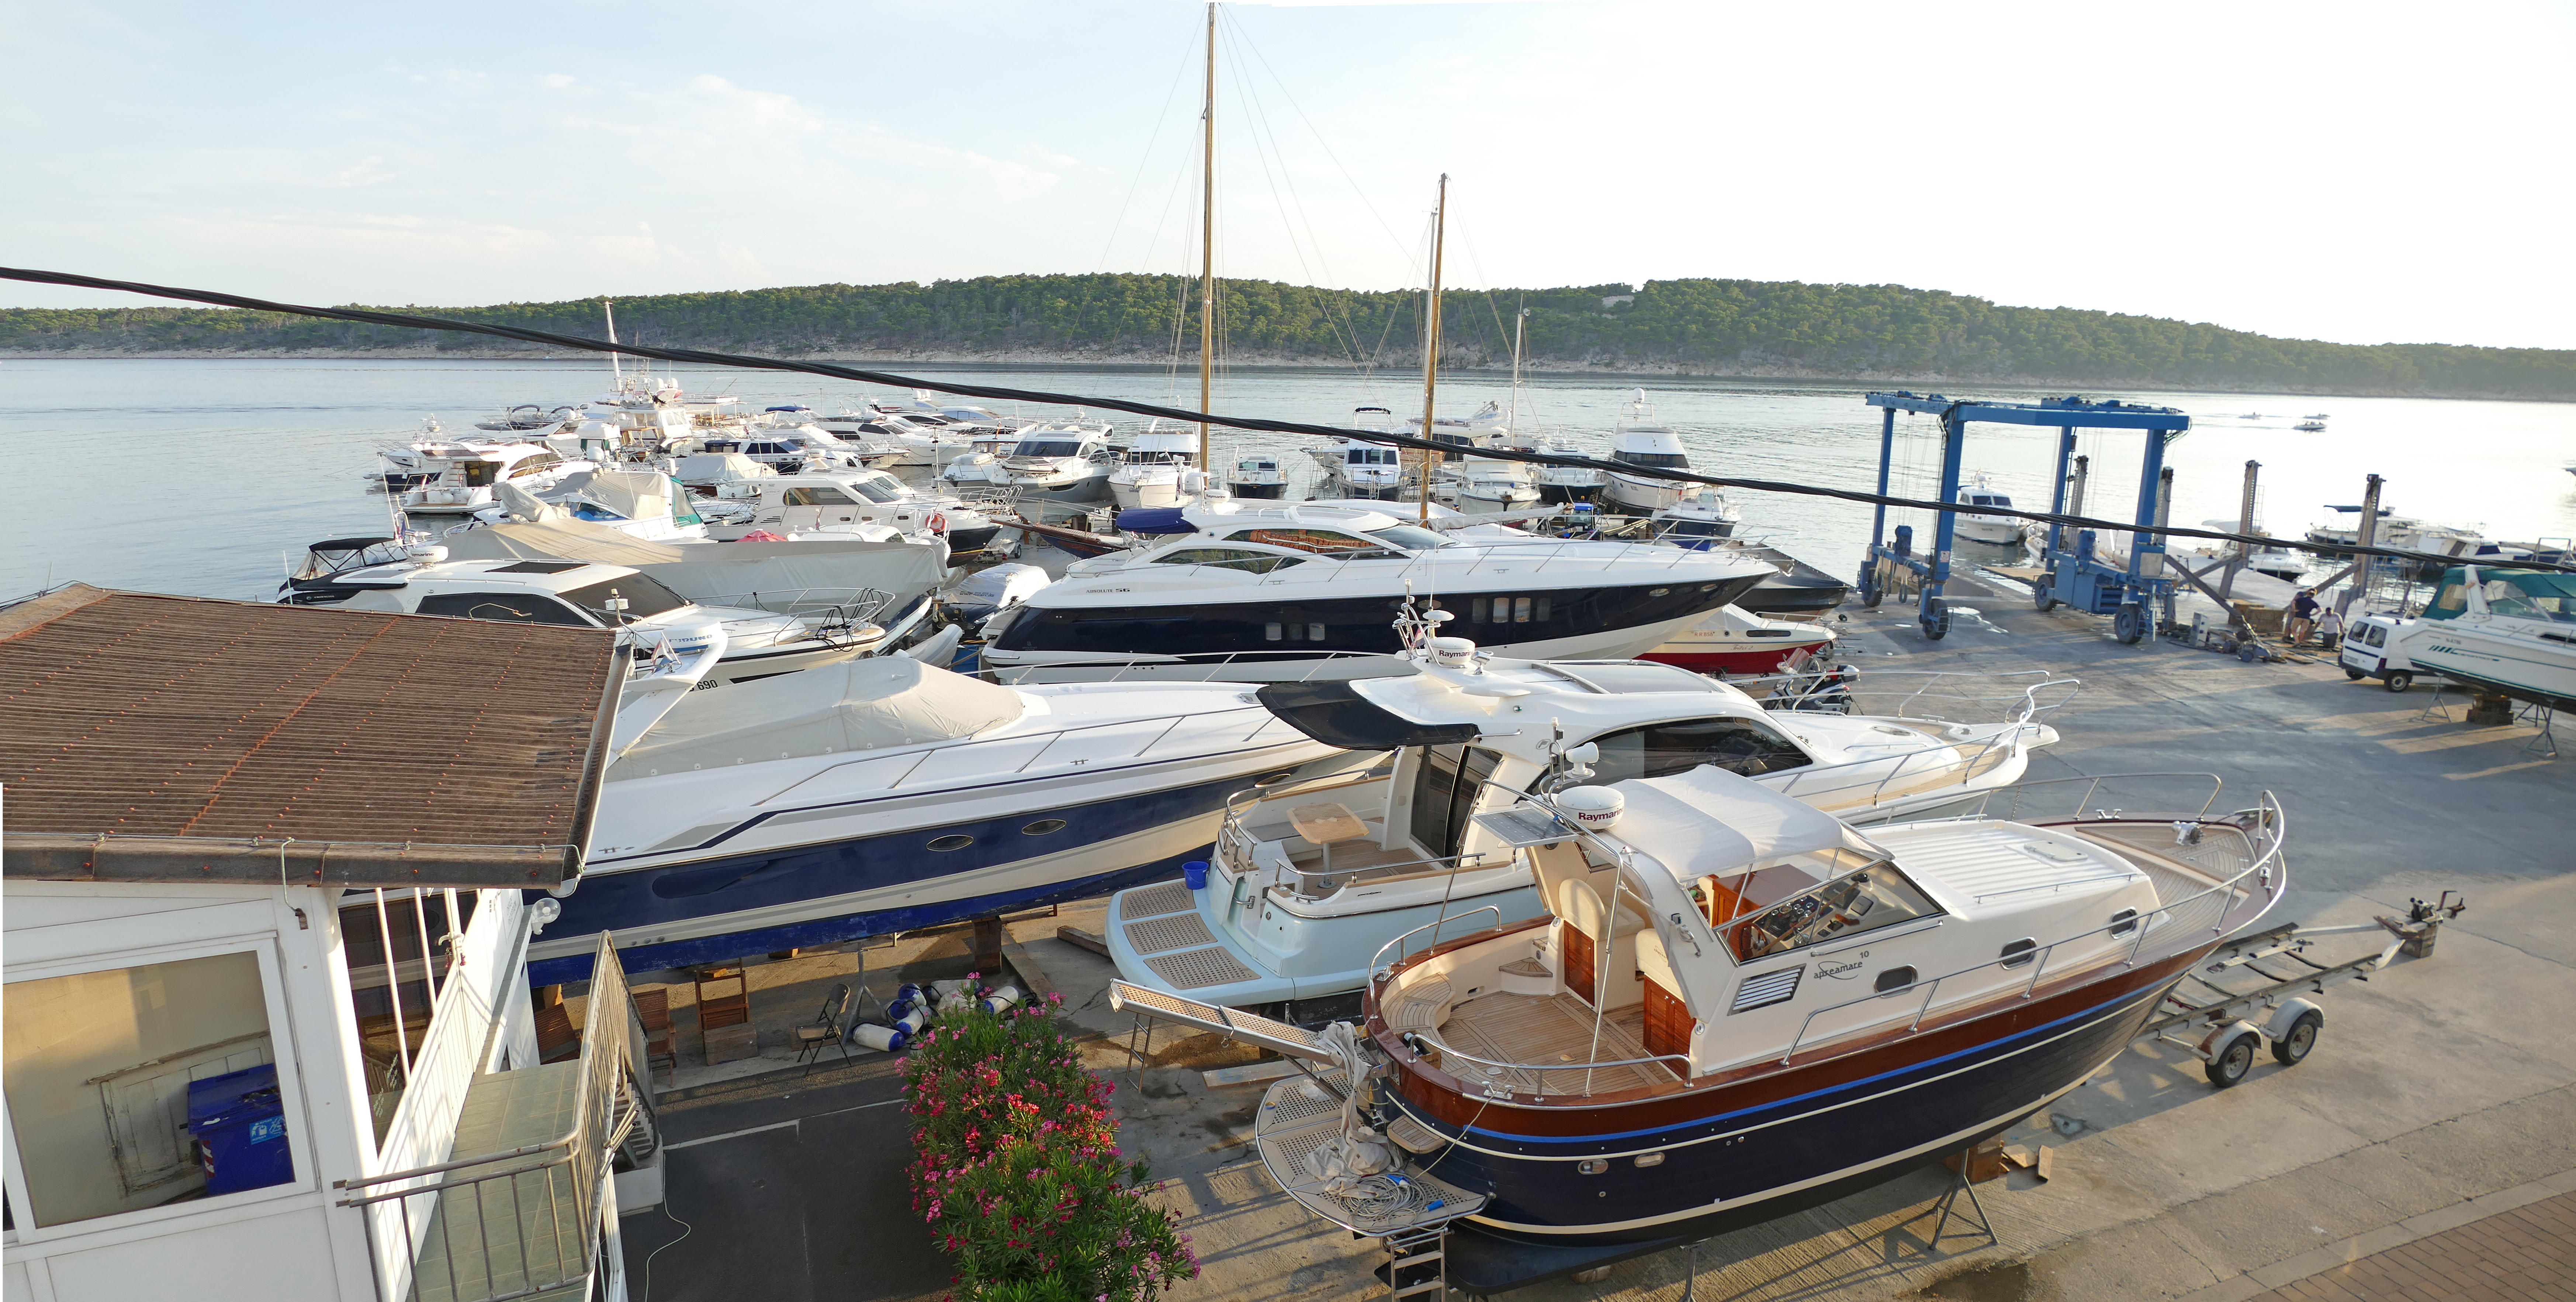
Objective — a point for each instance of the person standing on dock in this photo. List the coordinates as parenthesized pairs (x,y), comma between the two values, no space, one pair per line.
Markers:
(2329,628)
(2303,615)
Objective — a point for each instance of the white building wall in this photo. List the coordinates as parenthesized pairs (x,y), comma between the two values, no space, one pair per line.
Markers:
(291,1242)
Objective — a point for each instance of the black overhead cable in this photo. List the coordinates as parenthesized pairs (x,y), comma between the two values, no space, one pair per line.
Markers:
(1259,424)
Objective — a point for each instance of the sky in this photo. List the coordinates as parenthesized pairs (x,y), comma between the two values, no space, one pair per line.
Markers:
(2355,172)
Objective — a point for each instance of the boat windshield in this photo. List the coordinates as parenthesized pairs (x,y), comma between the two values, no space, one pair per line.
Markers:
(1371,457)
(2514,596)
(645,597)
(879,488)
(1876,896)
(1047,448)
(1667,460)
(1693,528)
(1412,538)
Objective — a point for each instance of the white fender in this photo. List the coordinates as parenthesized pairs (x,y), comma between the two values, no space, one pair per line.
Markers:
(2287,1015)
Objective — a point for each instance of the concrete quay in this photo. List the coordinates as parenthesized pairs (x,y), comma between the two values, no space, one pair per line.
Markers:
(2441,1098)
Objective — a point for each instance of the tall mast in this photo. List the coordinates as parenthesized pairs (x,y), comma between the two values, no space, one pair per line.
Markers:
(1512,422)
(609,308)
(1207,242)
(1431,344)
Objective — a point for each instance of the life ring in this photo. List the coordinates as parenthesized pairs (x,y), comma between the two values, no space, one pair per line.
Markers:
(938,522)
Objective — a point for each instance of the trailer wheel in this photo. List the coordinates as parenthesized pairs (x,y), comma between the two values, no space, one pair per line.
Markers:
(2292,1049)
(2234,1061)
(2355,675)
(1870,597)
(2043,596)
(2399,680)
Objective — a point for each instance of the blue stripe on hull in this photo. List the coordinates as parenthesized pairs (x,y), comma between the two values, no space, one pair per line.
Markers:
(637,901)
(1795,1140)
(829,931)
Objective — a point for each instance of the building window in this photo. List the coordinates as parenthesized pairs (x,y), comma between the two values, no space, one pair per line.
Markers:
(138,1086)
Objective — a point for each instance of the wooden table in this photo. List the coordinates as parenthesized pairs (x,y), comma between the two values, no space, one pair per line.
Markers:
(1325,822)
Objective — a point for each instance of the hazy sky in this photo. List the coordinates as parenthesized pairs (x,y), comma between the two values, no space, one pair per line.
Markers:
(2353,172)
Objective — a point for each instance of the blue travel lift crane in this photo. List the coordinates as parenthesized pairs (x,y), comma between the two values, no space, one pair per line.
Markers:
(2073,577)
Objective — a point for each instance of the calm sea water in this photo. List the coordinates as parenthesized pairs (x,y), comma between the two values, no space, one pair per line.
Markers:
(199,476)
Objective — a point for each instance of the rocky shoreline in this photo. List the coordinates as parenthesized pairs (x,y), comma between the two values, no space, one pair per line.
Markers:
(1026,359)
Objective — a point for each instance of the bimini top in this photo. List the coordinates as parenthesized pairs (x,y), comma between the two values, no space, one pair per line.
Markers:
(856,705)
(1709,822)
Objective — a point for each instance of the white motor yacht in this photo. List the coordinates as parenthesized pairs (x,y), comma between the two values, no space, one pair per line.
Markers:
(1699,517)
(1312,880)
(1495,484)
(2505,631)
(1156,463)
(1259,579)
(1985,526)
(963,418)
(2276,560)
(884,795)
(639,501)
(1061,461)
(1557,484)
(841,500)
(1358,470)
(646,613)
(1258,476)
(921,441)
(468,471)
(1737,641)
(1640,441)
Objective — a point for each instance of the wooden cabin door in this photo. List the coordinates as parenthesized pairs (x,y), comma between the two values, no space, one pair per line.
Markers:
(1579,963)
(1668,1021)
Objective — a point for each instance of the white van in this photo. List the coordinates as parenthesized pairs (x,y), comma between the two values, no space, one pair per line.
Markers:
(2369,651)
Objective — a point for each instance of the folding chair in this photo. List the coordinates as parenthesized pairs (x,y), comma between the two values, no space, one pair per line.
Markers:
(826,1028)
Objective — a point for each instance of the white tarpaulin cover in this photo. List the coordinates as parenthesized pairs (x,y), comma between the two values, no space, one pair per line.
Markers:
(1711,822)
(716,467)
(854,706)
(706,571)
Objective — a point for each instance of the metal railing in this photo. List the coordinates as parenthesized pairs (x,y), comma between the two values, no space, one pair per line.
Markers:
(523,1221)
(2026,798)
(1307,663)
(1050,740)
(1965,757)
(833,605)
(2210,908)
(1235,841)
(1377,961)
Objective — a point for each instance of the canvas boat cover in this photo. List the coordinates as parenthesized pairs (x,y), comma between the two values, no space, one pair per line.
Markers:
(854,706)
(706,571)
(1708,821)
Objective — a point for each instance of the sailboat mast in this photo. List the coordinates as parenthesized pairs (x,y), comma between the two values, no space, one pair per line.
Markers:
(1207,242)
(1512,422)
(1431,344)
(608,307)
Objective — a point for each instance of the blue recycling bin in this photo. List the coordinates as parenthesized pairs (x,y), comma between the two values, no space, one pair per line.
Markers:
(239,1122)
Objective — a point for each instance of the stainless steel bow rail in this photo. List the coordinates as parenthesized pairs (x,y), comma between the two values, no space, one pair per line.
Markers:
(699,357)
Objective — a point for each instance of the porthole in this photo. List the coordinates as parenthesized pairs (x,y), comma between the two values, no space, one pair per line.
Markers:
(1273,779)
(1895,978)
(2017,953)
(2124,922)
(1043,826)
(956,841)
(1660,592)
(1650,1159)
(1593,1165)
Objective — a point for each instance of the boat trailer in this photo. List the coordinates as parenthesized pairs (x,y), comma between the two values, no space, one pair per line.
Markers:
(2223,1030)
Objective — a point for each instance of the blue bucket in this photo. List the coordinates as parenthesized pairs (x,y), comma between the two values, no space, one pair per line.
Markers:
(1194,873)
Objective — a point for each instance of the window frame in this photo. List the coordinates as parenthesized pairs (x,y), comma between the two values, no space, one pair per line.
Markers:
(263,946)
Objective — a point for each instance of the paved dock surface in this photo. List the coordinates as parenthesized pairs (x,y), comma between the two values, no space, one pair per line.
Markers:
(2440,1101)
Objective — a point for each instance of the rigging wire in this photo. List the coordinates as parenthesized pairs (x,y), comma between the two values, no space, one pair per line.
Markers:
(1261,424)
(1145,162)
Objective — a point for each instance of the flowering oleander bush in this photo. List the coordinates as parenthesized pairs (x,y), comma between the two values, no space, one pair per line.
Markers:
(1016,1166)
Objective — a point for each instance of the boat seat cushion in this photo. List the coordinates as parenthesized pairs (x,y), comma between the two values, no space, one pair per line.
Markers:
(1420,1006)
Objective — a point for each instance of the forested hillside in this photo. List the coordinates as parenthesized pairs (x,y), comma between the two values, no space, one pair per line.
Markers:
(1696,327)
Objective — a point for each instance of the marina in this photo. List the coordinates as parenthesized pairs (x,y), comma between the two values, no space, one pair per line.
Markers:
(740,783)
